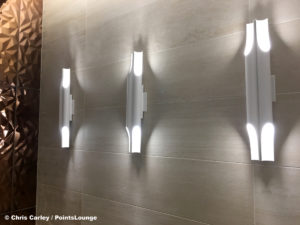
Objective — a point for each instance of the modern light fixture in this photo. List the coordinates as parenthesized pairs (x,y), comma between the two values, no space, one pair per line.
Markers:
(136,103)
(67,108)
(260,91)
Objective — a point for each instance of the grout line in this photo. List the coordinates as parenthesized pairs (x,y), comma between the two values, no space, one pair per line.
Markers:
(204,100)
(286,21)
(79,149)
(123,203)
(147,156)
(151,210)
(288,93)
(153,52)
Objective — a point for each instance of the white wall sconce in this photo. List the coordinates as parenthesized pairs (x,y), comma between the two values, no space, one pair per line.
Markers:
(136,103)
(67,107)
(260,91)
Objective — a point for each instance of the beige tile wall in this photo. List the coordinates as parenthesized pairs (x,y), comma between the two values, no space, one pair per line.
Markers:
(195,164)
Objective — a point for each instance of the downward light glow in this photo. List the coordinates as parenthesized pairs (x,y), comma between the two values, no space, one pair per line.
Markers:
(253,138)
(263,36)
(136,139)
(65,137)
(267,142)
(138,63)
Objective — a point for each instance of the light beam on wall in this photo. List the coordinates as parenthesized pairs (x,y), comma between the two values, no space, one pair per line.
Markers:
(136,103)
(67,104)
(260,86)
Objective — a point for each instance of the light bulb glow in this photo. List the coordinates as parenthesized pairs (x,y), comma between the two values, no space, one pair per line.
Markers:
(263,36)
(249,38)
(66,79)
(267,142)
(136,139)
(65,137)
(253,138)
(138,63)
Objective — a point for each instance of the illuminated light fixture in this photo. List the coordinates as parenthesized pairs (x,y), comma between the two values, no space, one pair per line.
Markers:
(67,108)
(136,103)
(260,91)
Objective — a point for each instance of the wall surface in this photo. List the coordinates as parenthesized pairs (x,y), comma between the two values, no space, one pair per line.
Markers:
(195,164)
(20,53)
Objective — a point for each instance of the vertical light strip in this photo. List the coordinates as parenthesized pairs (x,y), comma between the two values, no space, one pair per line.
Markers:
(67,108)
(259,91)
(252,92)
(265,85)
(136,103)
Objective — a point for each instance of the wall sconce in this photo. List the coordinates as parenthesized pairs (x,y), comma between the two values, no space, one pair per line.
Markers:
(260,91)
(136,103)
(67,108)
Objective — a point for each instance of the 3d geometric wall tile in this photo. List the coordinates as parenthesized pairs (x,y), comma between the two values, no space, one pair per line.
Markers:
(7,105)
(7,114)
(20,51)
(9,42)
(26,128)
(29,53)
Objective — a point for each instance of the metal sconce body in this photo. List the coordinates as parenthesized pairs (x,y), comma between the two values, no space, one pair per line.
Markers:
(136,103)
(260,91)
(67,108)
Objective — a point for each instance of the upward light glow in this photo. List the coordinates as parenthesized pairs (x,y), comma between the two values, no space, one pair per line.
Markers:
(267,142)
(66,79)
(138,63)
(253,138)
(250,38)
(263,36)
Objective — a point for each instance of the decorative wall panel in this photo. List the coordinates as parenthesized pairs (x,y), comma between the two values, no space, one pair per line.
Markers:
(30,43)
(26,130)
(7,108)
(9,42)
(20,50)
(7,105)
